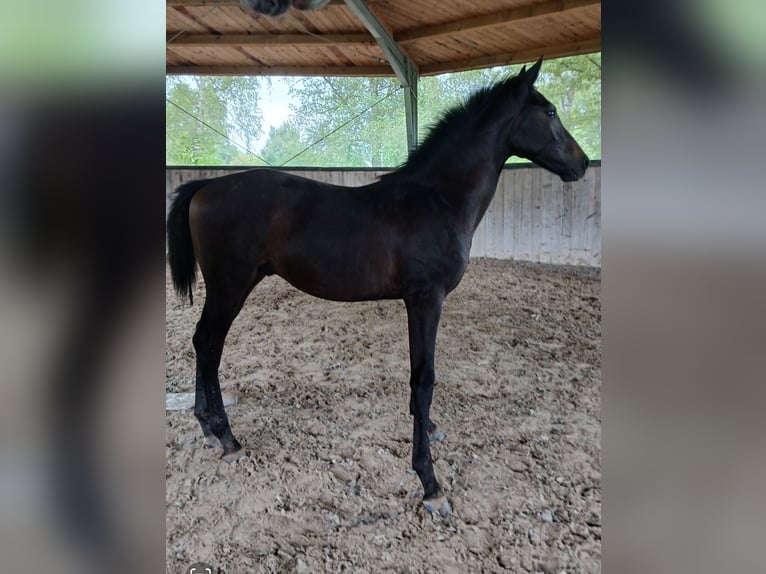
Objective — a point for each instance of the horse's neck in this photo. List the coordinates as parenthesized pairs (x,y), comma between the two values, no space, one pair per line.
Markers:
(465,176)
(480,196)
(483,169)
(471,185)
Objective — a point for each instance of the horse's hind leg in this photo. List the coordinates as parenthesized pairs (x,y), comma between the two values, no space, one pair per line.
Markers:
(222,304)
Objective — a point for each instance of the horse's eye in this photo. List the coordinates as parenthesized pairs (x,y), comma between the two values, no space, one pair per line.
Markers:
(551,114)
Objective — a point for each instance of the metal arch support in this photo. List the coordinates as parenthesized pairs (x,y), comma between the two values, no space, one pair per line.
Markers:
(403,67)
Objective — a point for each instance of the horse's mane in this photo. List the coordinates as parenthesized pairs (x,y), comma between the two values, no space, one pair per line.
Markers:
(447,132)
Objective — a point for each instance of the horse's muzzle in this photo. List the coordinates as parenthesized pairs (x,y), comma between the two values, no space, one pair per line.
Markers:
(573,174)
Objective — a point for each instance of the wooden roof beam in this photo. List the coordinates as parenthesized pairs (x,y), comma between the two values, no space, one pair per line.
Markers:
(364,71)
(518,57)
(515,15)
(208,40)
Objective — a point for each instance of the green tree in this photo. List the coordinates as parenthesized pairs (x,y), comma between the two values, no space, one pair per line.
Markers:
(375,138)
(284,143)
(206,115)
(573,85)
(372,110)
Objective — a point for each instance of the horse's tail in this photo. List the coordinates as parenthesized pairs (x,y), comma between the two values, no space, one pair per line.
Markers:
(181,258)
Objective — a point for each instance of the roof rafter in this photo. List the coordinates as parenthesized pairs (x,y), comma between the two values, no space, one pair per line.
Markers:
(201,40)
(517,57)
(513,15)
(371,71)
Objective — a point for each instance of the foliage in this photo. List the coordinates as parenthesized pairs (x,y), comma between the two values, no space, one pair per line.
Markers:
(355,122)
(573,85)
(376,137)
(283,143)
(205,115)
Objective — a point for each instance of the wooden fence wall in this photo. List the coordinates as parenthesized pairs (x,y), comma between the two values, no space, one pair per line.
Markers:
(534,216)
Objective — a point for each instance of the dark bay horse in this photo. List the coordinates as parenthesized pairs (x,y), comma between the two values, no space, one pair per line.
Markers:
(406,236)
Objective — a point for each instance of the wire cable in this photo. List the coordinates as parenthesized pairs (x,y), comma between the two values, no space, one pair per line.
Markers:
(341,126)
(220,133)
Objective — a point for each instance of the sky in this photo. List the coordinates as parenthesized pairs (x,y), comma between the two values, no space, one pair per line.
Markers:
(275,104)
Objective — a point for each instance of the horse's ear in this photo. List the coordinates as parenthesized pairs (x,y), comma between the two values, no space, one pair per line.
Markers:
(531,75)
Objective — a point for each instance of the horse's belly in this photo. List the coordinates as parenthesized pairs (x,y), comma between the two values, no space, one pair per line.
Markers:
(349,278)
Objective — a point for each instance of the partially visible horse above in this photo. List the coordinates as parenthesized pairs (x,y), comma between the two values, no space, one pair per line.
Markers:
(406,236)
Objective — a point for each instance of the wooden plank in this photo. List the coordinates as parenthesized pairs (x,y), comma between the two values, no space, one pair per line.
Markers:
(514,190)
(199,40)
(536,237)
(490,229)
(549,212)
(478,247)
(508,215)
(579,202)
(499,223)
(573,199)
(561,248)
(516,15)
(585,46)
(529,215)
(541,231)
(523,249)
(594,219)
(372,71)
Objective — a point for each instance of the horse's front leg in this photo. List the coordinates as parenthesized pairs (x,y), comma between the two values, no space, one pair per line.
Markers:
(423,313)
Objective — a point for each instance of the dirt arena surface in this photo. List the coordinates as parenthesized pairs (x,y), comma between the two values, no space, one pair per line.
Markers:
(323,414)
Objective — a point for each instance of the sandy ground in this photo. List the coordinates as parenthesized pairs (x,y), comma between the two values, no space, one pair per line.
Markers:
(323,414)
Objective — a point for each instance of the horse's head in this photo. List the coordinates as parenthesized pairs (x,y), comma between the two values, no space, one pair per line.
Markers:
(538,135)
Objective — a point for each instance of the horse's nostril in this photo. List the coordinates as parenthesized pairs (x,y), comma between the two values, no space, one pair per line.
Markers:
(585,163)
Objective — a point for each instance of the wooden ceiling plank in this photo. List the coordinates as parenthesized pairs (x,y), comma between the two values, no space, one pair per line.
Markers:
(373,71)
(517,57)
(514,15)
(271,39)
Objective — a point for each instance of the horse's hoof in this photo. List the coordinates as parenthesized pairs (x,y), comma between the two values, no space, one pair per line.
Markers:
(438,506)
(234,456)
(212,441)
